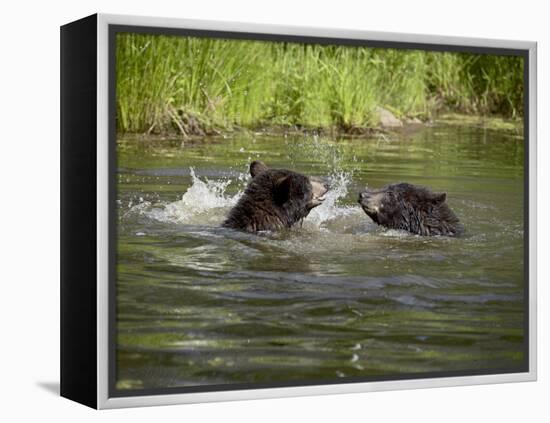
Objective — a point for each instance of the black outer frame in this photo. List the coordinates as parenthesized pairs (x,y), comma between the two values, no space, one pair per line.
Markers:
(79,201)
(79,211)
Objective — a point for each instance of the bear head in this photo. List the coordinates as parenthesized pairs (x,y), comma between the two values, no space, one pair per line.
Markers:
(412,208)
(275,199)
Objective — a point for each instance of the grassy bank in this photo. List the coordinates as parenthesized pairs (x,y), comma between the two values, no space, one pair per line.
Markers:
(194,86)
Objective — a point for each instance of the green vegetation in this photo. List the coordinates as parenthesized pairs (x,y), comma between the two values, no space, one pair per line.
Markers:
(511,126)
(195,86)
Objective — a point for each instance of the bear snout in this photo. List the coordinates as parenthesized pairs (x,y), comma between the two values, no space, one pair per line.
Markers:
(364,196)
(319,190)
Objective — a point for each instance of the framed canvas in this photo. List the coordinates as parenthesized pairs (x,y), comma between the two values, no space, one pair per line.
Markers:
(255,211)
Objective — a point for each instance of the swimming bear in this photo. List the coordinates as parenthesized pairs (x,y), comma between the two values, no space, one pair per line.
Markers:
(275,199)
(413,208)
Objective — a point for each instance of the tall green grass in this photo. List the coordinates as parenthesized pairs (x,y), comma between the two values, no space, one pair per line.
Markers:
(197,85)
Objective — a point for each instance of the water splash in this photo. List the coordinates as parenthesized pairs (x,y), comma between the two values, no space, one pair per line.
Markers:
(331,209)
(204,202)
(340,169)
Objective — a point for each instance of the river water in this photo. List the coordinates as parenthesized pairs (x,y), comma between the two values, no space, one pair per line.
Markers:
(338,298)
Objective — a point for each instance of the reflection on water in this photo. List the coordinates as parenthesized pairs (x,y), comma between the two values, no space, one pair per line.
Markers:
(336,297)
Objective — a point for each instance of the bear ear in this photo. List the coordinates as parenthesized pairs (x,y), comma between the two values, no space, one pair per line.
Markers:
(257,167)
(281,191)
(439,197)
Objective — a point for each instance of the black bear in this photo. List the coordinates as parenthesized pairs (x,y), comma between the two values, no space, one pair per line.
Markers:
(275,199)
(412,208)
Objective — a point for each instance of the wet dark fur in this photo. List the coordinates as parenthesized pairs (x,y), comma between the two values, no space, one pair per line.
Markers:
(412,208)
(274,199)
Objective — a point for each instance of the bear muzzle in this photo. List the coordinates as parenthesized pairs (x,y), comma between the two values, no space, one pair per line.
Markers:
(319,191)
(370,201)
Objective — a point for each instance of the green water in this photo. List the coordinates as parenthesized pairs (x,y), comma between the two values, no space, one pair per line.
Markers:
(338,297)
